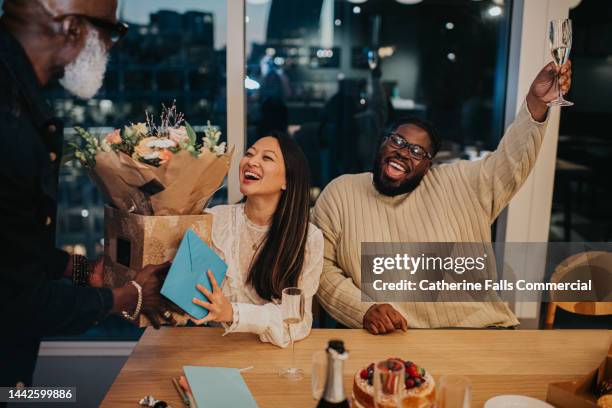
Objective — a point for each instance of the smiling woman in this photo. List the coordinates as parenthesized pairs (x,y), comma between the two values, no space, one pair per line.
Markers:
(267,242)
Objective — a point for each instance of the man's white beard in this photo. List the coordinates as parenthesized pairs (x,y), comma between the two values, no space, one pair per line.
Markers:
(83,77)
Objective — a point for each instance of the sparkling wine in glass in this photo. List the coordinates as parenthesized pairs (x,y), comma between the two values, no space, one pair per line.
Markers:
(454,391)
(388,383)
(560,40)
(292,306)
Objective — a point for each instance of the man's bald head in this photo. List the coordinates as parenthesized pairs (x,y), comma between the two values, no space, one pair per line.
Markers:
(102,9)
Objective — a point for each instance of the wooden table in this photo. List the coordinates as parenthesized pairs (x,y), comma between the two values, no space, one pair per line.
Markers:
(496,361)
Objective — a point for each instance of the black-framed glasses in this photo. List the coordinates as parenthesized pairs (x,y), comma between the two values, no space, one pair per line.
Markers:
(115,31)
(416,151)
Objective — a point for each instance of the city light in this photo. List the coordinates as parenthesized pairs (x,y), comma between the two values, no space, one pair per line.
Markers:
(106,106)
(385,52)
(325,53)
(495,11)
(251,84)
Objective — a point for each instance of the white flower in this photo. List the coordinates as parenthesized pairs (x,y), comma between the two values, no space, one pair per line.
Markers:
(140,129)
(151,156)
(105,146)
(161,143)
(219,150)
(178,135)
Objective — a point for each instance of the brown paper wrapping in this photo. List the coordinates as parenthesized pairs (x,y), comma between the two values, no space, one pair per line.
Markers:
(188,182)
(132,241)
(581,393)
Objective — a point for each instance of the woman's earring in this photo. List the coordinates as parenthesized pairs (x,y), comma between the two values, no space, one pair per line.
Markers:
(284,187)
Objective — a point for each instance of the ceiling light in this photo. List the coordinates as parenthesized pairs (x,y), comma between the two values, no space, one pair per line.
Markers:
(495,11)
(357,1)
(356,10)
(409,1)
(258,2)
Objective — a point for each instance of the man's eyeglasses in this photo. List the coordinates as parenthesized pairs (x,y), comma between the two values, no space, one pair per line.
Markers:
(398,142)
(115,31)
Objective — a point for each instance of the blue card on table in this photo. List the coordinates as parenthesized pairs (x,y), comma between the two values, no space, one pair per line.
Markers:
(218,387)
(190,266)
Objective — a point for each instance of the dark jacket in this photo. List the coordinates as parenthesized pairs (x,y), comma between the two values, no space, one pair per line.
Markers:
(34,300)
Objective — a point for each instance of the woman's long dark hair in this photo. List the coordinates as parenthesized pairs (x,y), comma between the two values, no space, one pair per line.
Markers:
(279,263)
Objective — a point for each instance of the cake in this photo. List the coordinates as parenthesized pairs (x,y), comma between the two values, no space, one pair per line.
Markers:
(420,387)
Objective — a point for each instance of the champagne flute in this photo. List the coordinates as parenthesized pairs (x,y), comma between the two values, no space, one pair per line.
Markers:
(292,306)
(454,391)
(560,40)
(388,383)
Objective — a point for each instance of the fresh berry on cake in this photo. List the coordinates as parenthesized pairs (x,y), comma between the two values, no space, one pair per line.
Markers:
(420,388)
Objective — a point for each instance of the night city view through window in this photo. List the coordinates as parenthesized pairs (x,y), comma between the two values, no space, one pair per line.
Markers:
(441,60)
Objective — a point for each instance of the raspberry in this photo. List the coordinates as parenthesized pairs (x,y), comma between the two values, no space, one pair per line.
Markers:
(363,374)
(413,371)
(409,383)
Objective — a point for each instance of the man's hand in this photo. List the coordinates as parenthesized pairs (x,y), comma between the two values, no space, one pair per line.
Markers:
(545,88)
(383,319)
(219,308)
(150,279)
(96,278)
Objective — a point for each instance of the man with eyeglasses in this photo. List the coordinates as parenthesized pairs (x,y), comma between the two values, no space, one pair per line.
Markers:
(404,199)
(43,40)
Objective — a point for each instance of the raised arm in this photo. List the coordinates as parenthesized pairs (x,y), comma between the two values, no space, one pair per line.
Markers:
(496,178)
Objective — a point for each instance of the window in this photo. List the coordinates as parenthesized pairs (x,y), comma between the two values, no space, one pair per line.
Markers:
(308,74)
(582,196)
(175,50)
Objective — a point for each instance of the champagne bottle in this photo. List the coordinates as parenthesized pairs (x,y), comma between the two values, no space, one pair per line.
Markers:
(333,393)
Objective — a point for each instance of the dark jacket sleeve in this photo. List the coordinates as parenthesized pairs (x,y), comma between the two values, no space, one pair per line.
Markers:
(32,297)
(24,230)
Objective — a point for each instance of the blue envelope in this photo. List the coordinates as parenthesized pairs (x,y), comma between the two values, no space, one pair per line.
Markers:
(190,266)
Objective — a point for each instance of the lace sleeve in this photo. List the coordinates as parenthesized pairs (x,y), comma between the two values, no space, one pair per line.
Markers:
(266,320)
(221,230)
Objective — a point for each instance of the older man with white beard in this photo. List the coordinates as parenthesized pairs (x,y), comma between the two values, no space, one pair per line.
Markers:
(42,40)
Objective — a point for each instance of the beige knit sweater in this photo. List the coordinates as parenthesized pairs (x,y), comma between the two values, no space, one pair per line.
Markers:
(454,203)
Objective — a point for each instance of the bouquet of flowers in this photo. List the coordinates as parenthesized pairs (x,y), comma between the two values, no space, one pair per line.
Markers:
(156,169)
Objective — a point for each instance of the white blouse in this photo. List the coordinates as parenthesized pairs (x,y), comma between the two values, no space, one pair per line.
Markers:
(233,238)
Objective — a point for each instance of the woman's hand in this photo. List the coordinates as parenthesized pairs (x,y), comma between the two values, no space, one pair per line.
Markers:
(219,308)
